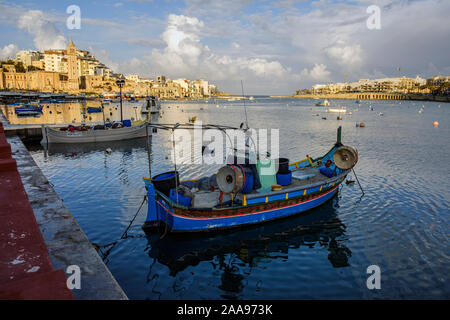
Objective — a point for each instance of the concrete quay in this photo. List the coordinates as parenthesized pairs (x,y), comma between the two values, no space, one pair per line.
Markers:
(63,241)
(26,271)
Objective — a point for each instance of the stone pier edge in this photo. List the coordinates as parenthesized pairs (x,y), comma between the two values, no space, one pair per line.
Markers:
(66,242)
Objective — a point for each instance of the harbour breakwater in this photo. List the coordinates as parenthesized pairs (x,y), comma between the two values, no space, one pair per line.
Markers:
(375,96)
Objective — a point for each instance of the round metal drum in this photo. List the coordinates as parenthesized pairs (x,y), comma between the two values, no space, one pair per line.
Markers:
(230,179)
(345,157)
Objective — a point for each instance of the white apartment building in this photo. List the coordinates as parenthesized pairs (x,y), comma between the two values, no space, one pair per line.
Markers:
(204,87)
(52,60)
(132,77)
(27,57)
(183,83)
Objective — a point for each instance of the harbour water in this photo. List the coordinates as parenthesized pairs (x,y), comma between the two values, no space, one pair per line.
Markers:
(401,224)
(75,113)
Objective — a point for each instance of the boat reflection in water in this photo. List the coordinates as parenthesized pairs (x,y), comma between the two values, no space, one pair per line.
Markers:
(318,227)
(74,149)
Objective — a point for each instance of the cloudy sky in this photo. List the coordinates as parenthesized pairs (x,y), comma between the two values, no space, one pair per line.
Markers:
(275,47)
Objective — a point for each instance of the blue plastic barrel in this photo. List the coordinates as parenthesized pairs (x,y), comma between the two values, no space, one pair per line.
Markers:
(126,123)
(248,186)
(284,179)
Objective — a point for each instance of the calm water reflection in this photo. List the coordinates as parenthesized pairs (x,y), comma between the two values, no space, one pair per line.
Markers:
(76,112)
(401,224)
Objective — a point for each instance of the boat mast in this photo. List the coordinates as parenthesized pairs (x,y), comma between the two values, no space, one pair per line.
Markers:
(175,159)
(245,108)
(148,152)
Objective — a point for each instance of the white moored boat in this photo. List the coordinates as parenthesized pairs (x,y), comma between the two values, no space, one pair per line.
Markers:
(51,135)
(337,110)
(152,105)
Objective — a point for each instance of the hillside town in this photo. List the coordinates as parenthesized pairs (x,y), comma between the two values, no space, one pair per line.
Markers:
(438,85)
(76,71)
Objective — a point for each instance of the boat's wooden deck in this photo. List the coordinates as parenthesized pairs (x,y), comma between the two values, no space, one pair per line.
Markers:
(317,177)
(210,199)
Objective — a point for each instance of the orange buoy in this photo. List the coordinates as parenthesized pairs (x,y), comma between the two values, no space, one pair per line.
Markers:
(436,124)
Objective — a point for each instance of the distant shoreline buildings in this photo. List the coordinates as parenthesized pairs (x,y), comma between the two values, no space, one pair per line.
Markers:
(76,71)
(438,85)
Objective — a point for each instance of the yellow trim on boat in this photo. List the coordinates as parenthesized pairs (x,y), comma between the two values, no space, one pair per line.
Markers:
(189,180)
(244,200)
(297,162)
(287,195)
(267,199)
(320,188)
(304,192)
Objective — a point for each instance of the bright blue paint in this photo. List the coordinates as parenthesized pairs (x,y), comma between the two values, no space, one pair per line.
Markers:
(178,223)
(152,213)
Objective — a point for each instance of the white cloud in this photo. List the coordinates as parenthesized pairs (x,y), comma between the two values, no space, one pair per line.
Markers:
(103,56)
(349,56)
(319,73)
(181,37)
(186,56)
(46,35)
(8,51)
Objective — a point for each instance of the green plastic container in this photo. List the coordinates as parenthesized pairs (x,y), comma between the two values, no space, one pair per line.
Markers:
(267,174)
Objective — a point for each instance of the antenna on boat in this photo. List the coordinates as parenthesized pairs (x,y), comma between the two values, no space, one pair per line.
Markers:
(149,157)
(245,108)
(246,120)
(175,159)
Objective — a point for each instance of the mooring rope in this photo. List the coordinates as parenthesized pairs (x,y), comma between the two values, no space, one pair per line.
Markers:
(167,223)
(132,220)
(363,193)
(123,236)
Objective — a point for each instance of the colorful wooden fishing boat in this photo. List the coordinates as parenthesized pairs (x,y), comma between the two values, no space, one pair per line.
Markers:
(94,109)
(324,103)
(28,110)
(305,184)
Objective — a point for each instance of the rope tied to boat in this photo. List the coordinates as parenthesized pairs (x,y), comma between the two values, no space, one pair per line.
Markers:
(123,236)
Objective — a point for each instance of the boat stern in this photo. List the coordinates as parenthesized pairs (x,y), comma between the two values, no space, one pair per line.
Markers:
(152,220)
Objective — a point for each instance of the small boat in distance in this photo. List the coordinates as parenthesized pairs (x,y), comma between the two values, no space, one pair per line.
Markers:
(324,103)
(152,105)
(28,110)
(337,110)
(94,109)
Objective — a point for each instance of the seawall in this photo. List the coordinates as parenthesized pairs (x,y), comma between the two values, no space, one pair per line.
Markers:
(63,241)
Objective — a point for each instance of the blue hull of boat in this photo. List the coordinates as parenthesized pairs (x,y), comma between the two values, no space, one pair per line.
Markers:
(94,110)
(177,223)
